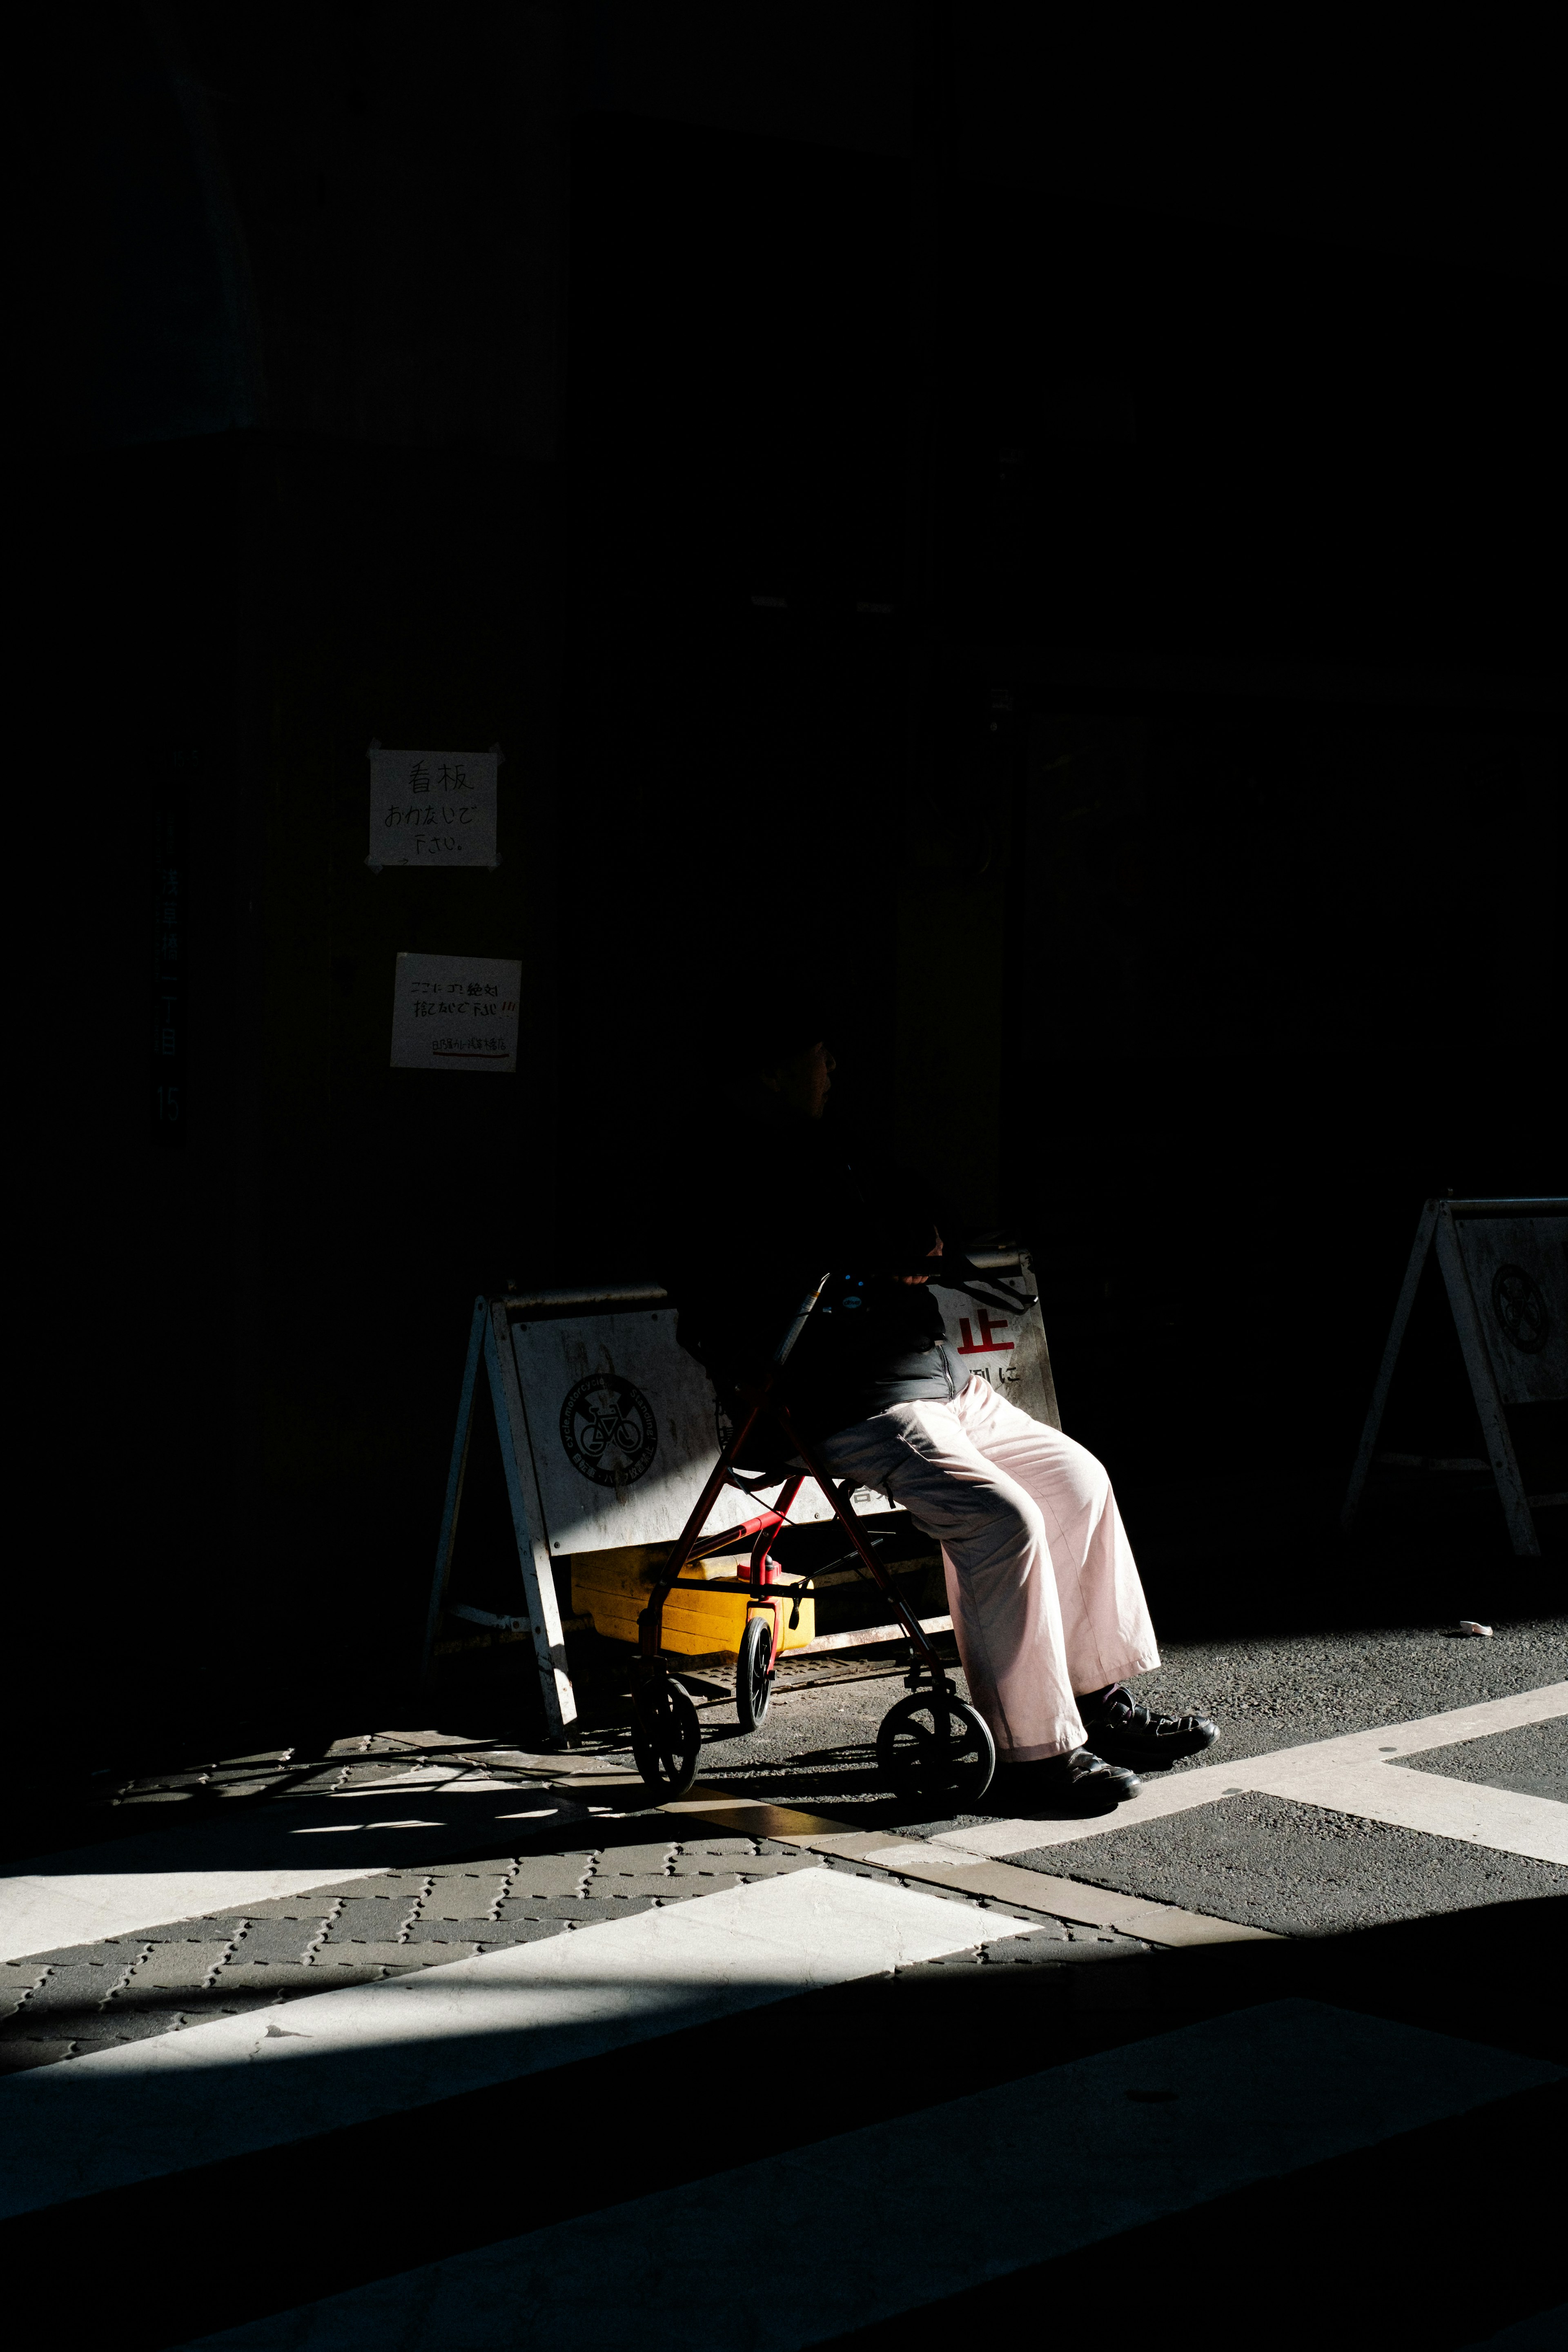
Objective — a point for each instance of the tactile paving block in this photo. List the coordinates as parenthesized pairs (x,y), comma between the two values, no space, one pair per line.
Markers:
(176,1966)
(550,1874)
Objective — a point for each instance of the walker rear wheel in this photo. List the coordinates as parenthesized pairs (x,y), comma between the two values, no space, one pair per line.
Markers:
(936,1750)
(755,1674)
(667,1737)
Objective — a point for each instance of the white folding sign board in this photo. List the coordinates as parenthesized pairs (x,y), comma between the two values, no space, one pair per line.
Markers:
(456,1013)
(1006,1348)
(432,808)
(1517,1269)
(623,1427)
(1504,1265)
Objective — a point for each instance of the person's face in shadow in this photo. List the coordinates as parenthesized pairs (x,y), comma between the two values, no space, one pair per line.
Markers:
(804,1083)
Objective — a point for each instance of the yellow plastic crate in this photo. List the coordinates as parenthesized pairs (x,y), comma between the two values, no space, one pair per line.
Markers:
(611,1588)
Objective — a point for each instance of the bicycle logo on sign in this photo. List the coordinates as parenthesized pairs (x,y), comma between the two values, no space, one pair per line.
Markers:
(1521,1309)
(608,1430)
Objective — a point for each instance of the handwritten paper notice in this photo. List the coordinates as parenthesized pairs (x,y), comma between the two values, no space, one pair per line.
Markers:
(456,1013)
(432,808)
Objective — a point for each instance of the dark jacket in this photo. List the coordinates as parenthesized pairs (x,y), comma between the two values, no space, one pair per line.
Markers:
(801,1202)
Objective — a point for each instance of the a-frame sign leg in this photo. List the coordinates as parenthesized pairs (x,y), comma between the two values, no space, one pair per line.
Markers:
(527,1523)
(455,1476)
(1424,1228)
(489,1338)
(1515,1504)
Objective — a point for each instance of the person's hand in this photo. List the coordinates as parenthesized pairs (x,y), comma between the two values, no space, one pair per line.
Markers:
(918,1281)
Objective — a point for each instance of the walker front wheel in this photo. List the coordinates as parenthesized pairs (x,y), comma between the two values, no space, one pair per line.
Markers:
(755,1674)
(936,1750)
(667,1737)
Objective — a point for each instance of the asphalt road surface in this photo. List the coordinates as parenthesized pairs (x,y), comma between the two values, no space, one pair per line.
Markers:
(1291,1867)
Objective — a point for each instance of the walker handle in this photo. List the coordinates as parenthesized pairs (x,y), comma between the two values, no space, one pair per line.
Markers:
(802,1317)
(955,1273)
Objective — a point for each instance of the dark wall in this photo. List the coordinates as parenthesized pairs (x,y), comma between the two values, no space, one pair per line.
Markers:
(1293,971)
(1208,924)
(1206,437)
(737,462)
(1082,621)
(362,233)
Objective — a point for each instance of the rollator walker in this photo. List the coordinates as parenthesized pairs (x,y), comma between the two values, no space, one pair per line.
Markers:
(933,1746)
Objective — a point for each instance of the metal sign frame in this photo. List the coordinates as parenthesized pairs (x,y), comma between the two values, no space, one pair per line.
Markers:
(489,1338)
(1438,1227)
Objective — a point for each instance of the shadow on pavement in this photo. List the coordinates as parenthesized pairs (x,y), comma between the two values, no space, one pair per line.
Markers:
(1437,2236)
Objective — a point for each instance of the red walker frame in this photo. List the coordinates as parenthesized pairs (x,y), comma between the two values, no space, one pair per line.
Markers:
(663,1769)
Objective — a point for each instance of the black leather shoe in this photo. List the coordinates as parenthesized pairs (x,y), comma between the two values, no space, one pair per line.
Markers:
(1125,1733)
(1063,1786)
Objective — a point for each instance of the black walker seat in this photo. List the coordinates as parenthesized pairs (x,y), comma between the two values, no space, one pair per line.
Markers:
(933,1746)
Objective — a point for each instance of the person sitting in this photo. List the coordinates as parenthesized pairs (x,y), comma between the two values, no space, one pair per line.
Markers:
(1047,1607)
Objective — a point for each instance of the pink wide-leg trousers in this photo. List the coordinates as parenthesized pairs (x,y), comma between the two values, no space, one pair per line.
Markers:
(1044,1591)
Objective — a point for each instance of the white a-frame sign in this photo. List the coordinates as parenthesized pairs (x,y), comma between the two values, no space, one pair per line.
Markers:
(489,1338)
(1505,1267)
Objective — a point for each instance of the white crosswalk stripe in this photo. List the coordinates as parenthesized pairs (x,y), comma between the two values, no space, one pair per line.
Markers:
(332,2058)
(1350,1774)
(907,2213)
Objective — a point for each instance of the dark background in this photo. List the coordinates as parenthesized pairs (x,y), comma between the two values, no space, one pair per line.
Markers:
(1045,538)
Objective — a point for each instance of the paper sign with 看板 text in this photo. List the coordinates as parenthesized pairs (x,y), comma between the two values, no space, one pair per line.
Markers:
(432,808)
